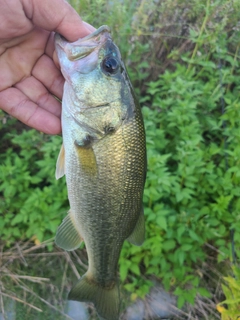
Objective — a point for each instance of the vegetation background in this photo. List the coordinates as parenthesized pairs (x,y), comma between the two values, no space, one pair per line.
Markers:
(183,58)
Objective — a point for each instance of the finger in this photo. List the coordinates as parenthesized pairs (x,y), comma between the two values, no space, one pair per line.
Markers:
(13,20)
(89,26)
(56,15)
(36,92)
(50,47)
(46,72)
(19,106)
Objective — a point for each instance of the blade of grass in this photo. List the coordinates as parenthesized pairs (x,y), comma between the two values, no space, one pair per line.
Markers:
(20,300)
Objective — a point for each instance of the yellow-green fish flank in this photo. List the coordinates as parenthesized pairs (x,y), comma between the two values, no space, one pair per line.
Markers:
(104,160)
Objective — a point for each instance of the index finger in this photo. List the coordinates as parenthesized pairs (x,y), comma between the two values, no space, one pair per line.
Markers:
(56,15)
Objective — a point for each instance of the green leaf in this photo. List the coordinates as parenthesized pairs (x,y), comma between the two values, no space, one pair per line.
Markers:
(186,247)
(204,292)
(18,218)
(180,301)
(123,271)
(162,222)
(135,269)
(168,245)
(194,236)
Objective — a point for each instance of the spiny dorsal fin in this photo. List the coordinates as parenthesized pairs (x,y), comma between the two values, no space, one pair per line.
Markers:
(60,166)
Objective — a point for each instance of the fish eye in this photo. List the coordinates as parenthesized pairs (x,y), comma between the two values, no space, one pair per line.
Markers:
(110,65)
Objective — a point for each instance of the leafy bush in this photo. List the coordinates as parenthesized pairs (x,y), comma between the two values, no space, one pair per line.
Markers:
(231,289)
(192,190)
(192,119)
(32,202)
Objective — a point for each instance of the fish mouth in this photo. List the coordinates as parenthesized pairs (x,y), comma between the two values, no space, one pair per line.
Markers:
(83,46)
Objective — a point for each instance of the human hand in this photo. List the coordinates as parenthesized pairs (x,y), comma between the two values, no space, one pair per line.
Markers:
(28,75)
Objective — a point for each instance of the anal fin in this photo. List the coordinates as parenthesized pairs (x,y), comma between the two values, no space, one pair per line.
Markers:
(68,237)
(138,234)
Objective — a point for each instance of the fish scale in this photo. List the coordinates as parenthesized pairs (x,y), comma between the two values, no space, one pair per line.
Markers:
(104,160)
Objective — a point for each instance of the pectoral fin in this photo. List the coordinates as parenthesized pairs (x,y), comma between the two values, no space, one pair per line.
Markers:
(86,157)
(68,237)
(60,166)
(138,234)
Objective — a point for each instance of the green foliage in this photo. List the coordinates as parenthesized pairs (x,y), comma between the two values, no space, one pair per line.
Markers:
(232,293)
(115,14)
(32,202)
(193,183)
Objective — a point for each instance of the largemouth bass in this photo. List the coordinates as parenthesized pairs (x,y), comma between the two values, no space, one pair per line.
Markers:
(104,159)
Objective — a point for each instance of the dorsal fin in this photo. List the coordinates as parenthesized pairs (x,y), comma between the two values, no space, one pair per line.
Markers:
(138,234)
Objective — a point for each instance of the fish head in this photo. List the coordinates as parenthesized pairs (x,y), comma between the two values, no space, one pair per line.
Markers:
(82,55)
(93,68)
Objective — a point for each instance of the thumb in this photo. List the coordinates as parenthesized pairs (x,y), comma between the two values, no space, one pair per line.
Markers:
(58,16)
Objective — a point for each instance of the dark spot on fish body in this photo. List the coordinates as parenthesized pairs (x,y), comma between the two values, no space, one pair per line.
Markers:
(109,129)
(86,142)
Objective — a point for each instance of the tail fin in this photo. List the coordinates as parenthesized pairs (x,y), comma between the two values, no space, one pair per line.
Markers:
(106,301)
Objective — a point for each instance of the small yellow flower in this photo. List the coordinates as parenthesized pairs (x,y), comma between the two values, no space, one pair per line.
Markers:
(36,241)
(220,309)
(133,296)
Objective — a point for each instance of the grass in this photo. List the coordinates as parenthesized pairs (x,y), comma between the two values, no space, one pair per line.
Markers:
(45,293)
(38,281)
